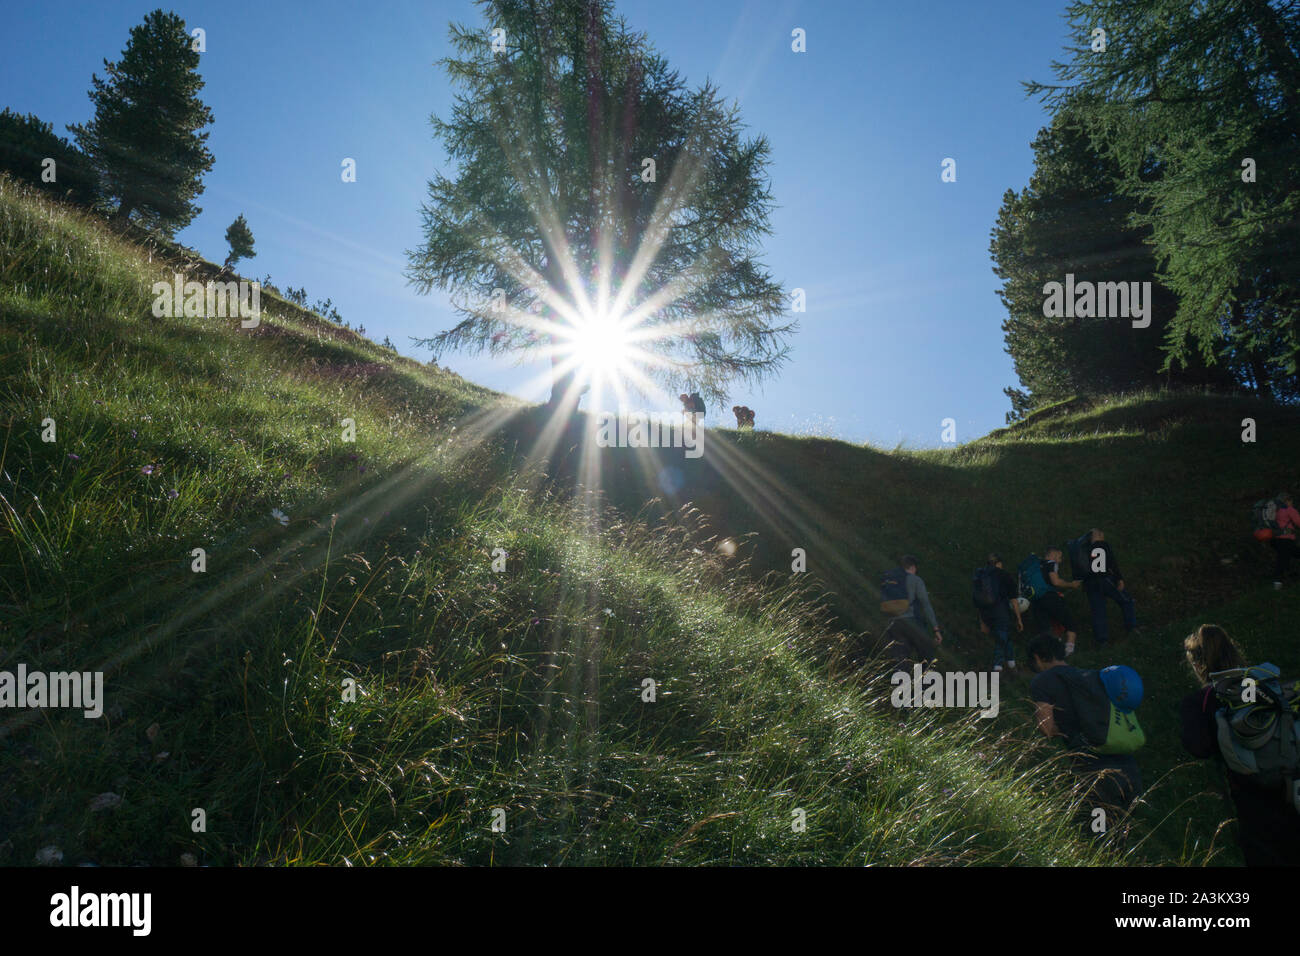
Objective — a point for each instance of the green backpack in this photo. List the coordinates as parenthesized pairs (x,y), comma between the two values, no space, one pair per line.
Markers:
(1121,733)
(1124,734)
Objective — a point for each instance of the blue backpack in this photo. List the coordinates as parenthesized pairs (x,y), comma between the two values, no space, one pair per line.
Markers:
(1032,582)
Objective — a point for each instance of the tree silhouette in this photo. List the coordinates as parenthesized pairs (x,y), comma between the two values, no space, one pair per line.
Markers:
(240,238)
(144,138)
(590,183)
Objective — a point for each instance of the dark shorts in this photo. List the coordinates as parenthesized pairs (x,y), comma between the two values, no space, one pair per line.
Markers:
(1052,609)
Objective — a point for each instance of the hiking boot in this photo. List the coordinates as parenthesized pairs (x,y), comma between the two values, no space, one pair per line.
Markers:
(1277,585)
(1069,648)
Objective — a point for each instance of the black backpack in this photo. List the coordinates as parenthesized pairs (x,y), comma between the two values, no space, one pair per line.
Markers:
(1263,518)
(893,592)
(984,587)
(697,402)
(1078,551)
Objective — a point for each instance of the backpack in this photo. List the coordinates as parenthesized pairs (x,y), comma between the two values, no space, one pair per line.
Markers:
(1105,726)
(697,402)
(893,592)
(1124,735)
(1263,516)
(1078,551)
(1123,688)
(984,587)
(1033,583)
(1260,738)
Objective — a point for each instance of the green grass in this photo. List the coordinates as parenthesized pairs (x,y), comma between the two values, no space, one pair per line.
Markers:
(523,690)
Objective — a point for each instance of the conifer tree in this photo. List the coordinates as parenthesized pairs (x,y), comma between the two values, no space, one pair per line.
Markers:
(146,137)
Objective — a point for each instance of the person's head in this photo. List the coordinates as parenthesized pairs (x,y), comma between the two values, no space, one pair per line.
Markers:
(1053,553)
(1096,535)
(908,563)
(995,559)
(1045,650)
(1209,649)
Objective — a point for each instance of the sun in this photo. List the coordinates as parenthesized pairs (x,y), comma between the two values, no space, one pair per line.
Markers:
(602,346)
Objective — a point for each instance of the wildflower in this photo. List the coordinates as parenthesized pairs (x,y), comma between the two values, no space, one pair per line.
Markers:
(147,470)
(279,516)
(173,494)
(74,457)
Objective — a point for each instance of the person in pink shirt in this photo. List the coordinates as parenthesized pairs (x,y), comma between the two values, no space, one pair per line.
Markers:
(1283,541)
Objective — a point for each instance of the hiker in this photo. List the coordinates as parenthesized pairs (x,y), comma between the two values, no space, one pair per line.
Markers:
(1048,597)
(692,406)
(1283,540)
(1094,562)
(1268,827)
(1075,705)
(996,599)
(744,416)
(904,596)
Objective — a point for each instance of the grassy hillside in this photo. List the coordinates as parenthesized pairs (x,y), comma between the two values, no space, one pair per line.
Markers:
(228,690)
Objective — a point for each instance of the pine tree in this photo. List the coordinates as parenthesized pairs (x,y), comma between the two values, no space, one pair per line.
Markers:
(1199,104)
(240,239)
(26,142)
(1072,218)
(590,183)
(145,137)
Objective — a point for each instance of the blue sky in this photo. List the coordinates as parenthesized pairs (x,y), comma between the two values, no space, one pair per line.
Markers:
(902,328)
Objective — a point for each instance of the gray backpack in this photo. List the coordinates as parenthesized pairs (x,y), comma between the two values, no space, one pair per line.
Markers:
(1259,727)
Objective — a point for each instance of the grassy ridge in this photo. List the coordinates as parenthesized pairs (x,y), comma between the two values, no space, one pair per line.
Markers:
(474,690)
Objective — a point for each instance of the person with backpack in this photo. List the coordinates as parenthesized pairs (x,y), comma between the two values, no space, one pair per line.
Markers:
(1094,562)
(1287,520)
(905,597)
(1095,721)
(995,598)
(1268,825)
(1042,580)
